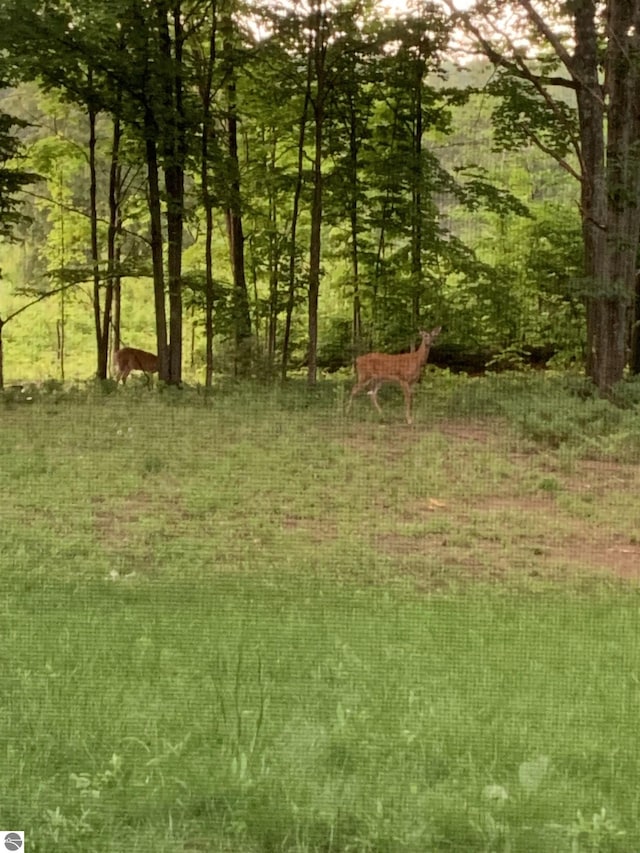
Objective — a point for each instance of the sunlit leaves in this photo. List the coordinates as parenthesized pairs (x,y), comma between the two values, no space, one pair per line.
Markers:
(522,116)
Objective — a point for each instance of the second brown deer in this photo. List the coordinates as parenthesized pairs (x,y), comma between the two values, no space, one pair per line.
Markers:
(128,358)
(376,368)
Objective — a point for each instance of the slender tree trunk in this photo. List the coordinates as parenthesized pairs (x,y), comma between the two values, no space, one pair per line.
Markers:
(152,110)
(291,290)
(117,304)
(209,293)
(2,322)
(173,166)
(174,182)
(416,223)
(314,251)
(62,320)
(61,329)
(273,262)
(319,54)
(634,363)
(356,324)
(115,177)
(192,347)
(272,330)
(205,85)
(235,232)
(101,339)
(155,214)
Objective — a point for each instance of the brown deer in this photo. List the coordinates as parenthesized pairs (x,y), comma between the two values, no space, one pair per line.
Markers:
(375,368)
(128,358)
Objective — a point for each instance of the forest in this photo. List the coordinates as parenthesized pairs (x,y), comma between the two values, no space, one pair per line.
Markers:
(259,189)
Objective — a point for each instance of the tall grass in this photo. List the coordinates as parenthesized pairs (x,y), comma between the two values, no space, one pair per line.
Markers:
(241,622)
(289,715)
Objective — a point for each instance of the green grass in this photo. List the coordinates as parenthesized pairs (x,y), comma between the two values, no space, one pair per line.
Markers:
(242,622)
(298,716)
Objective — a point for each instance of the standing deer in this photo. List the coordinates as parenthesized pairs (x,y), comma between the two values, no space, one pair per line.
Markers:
(128,358)
(375,368)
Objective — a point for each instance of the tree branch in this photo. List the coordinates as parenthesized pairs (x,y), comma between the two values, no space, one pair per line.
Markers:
(545,30)
(559,160)
(70,209)
(39,299)
(517,65)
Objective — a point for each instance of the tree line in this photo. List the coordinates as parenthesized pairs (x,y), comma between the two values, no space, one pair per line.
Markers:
(307,135)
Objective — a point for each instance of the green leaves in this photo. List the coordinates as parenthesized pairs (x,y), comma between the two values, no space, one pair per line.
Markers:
(523,116)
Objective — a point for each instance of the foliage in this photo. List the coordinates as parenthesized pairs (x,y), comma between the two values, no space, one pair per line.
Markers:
(522,115)
(13,178)
(422,223)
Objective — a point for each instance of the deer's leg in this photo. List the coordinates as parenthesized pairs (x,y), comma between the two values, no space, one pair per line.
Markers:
(374,395)
(354,391)
(357,388)
(406,388)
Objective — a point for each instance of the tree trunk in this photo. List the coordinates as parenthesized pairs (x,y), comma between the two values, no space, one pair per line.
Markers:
(273,263)
(291,290)
(61,323)
(634,363)
(241,313)
(117,305)
(417,213)
(610,182)
(115,177)
(314,252)
(235,232)
(101,340)
(174,148)
(607,149)
(1,355)
(319,55)
(155,214)
(356,317)
(205,85)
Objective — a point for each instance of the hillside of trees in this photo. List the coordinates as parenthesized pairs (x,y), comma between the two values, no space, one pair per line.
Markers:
(258,189)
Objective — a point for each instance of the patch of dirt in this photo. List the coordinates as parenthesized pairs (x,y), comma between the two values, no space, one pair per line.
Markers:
(114,525)
(490,555)
(318,530)
(600,477)
(383,441)
(129,522)
(480,433)
(533,533)
(586,547)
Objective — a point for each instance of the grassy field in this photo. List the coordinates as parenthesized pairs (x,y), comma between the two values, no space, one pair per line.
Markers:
(244,622)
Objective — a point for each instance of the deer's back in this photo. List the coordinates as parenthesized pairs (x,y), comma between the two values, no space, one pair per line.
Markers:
(378,365)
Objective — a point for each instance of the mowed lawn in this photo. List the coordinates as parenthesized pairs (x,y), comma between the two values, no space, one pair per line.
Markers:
(244,622)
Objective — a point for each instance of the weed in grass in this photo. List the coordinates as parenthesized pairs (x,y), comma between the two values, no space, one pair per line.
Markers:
(549,484)
(153,464)
(598,834)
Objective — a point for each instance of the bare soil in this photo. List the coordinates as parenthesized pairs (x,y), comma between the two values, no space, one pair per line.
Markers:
(591,521)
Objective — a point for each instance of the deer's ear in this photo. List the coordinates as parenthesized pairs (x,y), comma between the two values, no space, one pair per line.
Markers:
(435,332)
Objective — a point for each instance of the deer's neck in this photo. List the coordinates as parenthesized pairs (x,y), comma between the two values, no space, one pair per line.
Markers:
(423,351)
